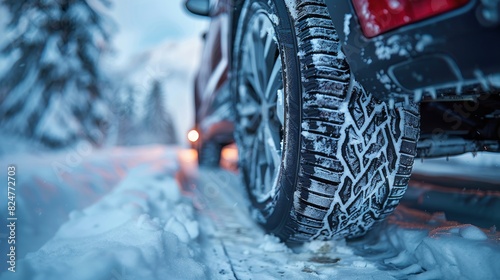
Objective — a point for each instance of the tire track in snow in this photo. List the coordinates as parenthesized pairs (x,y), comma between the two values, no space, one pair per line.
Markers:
(225,222)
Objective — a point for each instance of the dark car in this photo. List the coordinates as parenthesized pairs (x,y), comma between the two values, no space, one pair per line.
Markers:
(329,102)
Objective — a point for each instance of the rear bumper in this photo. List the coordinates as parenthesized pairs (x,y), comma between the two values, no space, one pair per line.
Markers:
(453,52)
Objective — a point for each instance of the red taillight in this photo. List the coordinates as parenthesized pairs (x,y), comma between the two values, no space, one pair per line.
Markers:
(379,16)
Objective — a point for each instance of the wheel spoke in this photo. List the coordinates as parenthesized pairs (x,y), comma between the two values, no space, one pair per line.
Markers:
(248,94)
(254,168)
(275,82)
(261,164)
(256,79)
(257,55)
(248,110)
(273,142)
(270,49)
(250,85)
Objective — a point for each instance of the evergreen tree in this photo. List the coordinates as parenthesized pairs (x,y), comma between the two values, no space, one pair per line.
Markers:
(157,121)
(127,120)
(53,91)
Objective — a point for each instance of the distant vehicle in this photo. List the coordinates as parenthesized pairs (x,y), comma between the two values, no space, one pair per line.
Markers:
(329,102)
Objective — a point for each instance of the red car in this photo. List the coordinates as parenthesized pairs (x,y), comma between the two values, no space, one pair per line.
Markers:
(329,102)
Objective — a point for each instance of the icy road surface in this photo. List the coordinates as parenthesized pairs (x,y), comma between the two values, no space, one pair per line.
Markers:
(149,213)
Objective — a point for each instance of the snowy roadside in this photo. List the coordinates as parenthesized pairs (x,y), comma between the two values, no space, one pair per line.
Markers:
(51,185)
(143,229)
(417,245)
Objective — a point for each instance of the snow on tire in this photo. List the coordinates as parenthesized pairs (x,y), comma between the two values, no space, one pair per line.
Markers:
(345,158)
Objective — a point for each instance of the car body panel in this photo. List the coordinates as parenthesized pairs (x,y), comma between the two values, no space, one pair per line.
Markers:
(212,95)
(417,58)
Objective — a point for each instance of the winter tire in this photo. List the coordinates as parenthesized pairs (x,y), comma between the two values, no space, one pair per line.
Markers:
(320,157)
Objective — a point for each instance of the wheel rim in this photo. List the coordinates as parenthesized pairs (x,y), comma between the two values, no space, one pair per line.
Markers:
(261,106)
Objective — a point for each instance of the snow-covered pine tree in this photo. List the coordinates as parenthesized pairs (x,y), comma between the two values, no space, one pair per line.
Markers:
(127,119)
(157,121)
(52,92)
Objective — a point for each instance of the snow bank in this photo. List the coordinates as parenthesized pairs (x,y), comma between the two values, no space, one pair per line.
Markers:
(430,247)
(143,229)
(51,185)
(15,144)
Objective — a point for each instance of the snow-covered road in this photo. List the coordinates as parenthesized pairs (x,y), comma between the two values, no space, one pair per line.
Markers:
(410,244)
(150,213)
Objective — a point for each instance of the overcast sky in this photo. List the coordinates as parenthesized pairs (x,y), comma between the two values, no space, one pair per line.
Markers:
(142,25)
